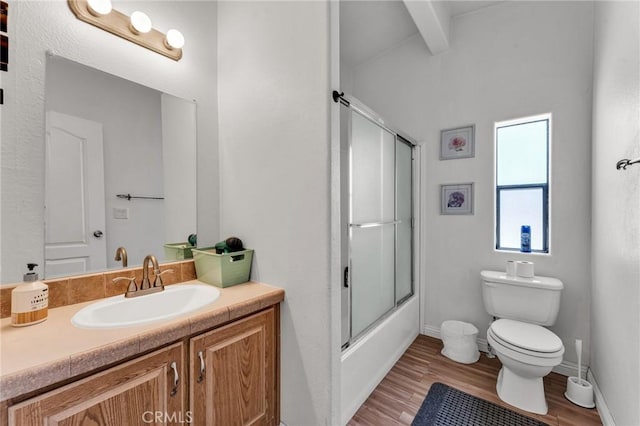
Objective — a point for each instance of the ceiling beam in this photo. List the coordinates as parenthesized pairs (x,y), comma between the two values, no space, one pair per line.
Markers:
(432,19)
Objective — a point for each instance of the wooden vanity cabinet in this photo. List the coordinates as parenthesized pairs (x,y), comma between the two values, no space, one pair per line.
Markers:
(234,373)
(133,393)
(232,379)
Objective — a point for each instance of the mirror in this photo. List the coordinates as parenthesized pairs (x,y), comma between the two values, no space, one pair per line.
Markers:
(120,170)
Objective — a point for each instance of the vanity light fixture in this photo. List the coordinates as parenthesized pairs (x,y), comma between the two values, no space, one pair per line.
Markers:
(136,29)
(99,7)
(174,39)
(140,23)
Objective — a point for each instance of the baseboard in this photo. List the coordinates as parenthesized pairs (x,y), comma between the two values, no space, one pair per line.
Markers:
(601,405)
(431,331)
(566,368)
(570,369)
(434,332)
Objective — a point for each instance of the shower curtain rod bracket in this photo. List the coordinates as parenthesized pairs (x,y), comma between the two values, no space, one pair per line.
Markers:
(339,96)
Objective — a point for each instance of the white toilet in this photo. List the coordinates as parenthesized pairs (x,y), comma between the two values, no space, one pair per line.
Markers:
(527,350)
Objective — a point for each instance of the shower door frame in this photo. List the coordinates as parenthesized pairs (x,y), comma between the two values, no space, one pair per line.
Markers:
(356,106)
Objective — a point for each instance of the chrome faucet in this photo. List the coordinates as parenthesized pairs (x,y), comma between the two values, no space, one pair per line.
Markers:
(145,287)
(121,254)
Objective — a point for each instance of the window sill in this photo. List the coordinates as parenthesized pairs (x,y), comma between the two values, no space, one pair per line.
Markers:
(515,251)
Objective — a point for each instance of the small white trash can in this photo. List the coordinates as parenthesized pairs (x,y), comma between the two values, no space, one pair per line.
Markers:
(459,340)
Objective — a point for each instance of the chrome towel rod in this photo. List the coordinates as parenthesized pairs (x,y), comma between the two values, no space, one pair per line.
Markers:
(623,164)
(374,224)
(128,197)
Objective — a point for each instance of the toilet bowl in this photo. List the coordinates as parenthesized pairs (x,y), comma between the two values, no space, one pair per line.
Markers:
(528,352)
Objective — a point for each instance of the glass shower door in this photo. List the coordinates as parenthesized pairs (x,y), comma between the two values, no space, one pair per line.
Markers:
(372,222)
(404,218)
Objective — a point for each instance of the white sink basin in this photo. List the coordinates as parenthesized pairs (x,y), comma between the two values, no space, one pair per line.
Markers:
(119,311)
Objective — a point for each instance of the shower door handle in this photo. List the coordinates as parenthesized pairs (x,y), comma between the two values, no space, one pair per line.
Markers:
(345,277)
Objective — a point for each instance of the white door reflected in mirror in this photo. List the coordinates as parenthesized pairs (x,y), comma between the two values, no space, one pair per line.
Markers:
(74,196)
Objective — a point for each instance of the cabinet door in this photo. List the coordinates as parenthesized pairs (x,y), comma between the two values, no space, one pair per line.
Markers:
(234,373)
(146,390)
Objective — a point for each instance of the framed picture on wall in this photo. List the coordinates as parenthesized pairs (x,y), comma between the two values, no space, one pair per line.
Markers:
(456,198)
(4,38)
(4,52)
(457,143)
(4,14)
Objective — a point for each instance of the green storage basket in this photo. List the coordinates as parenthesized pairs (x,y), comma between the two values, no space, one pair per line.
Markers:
(178,251)
(222,270)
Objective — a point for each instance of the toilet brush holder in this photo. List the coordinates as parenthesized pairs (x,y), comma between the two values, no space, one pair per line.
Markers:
(580,392)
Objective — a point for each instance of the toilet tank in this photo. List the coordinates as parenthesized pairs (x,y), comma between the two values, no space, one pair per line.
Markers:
(534,300)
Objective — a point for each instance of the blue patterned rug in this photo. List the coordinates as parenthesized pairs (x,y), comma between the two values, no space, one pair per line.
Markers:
(446,406)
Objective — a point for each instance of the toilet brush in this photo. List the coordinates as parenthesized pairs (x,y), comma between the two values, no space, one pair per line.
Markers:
(579,391)
(579,352)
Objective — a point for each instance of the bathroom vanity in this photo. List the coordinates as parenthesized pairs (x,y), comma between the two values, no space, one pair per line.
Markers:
(218,365)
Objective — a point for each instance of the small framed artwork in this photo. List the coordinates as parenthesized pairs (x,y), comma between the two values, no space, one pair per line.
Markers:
(4,39)
(456,198)
(4,14)
(457,143)
(4,52)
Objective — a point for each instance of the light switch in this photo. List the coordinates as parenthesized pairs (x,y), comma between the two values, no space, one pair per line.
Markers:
(120,213)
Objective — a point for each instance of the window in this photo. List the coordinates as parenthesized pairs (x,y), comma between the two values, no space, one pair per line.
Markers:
(522,182)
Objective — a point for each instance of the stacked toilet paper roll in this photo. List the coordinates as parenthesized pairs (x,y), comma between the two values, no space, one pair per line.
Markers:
(520,268)
(524,269)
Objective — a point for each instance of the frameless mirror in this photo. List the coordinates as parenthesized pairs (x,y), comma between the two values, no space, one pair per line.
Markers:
(120,170)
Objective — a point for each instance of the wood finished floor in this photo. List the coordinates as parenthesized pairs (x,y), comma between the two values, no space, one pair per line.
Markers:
(398,397)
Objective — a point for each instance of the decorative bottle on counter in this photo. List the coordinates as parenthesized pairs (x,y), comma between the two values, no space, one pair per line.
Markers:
(29,300)
(525,239)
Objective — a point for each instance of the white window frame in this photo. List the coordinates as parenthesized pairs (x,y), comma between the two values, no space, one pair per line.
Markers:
(546,188)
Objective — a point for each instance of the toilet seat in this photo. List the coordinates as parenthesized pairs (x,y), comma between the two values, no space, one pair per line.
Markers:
(522,355)
(527,339)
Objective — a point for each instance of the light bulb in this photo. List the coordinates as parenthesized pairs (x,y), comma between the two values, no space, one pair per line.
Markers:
(99,7)
(140,23)
(174,39)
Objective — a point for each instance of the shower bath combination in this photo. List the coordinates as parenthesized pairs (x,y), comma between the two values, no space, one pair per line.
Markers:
(377,216)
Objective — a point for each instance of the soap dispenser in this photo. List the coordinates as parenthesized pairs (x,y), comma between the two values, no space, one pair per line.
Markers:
(29,300)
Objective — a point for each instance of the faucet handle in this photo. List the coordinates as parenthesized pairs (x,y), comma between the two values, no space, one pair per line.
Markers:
(132,283)
(158,280)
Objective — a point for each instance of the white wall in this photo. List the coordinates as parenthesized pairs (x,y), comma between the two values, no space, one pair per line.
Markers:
(132,143)
(346,78)
(34,28)
(615,327)
(274,106)
(512,60)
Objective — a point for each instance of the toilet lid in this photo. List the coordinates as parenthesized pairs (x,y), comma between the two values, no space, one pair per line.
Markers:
(527,336)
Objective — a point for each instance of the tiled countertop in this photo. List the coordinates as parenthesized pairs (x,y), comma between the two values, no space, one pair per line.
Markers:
(40,355)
